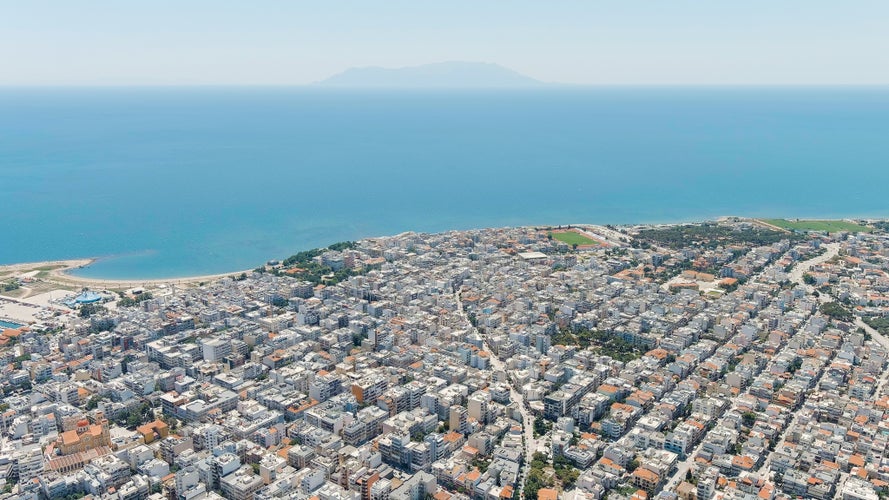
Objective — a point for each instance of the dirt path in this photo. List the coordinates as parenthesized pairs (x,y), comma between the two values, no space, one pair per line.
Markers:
(770,226)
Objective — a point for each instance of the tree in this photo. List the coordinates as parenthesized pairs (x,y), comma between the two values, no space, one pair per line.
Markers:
(87,310)
(472,319)
(809,279)
(137,416)
(481,465)
(567,475)
(129,302)
(539,460)
(541,426)
(93,403)
(536,479)
(534,483)
(343,245)
(836,311)
(879,324)
(748,418)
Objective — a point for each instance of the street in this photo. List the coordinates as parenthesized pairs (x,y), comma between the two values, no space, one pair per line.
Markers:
(531,443)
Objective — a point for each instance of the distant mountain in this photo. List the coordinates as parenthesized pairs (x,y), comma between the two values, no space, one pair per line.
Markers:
(445,74)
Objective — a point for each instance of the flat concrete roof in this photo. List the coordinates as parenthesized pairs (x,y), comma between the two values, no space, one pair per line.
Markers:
(532,255)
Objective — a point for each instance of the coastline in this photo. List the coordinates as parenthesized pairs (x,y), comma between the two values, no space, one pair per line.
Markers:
(61,272)
(58,272)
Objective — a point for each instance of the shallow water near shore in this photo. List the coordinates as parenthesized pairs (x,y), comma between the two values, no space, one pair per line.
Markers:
(164,182)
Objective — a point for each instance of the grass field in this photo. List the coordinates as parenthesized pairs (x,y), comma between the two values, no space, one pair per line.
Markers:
(572,238)
(818,225)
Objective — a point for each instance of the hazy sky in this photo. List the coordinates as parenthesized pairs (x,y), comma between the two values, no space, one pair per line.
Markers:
(146,42)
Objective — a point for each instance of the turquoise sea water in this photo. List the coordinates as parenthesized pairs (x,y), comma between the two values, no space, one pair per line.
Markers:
(173,182)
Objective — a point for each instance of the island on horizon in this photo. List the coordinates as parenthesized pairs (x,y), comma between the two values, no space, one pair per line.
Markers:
(319,250)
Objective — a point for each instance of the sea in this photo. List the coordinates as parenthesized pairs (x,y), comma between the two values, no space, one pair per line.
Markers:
(169,182)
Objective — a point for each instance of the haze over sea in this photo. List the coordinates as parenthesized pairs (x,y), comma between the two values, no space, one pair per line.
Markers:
(166,182)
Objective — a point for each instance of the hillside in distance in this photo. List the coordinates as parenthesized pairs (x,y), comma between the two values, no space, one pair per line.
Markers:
(442,75)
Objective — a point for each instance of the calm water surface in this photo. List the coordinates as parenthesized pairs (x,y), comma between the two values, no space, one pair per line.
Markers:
(173,182)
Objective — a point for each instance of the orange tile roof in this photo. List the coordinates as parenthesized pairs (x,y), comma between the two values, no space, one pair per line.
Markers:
(657,353)
(452,436)
(646,475)
(547,494)
(607,462)
(70,437)
(742,461)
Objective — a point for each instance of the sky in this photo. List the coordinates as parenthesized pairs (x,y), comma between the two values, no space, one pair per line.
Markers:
(287,42)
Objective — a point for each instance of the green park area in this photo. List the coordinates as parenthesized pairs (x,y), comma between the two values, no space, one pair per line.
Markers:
(818,225)
(573,238)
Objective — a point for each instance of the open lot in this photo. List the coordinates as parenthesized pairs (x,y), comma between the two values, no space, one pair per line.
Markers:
(818,225)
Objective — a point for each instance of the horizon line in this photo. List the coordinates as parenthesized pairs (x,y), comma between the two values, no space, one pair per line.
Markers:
(536,86)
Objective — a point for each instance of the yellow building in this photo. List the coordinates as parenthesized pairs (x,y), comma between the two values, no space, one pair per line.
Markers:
(153,431)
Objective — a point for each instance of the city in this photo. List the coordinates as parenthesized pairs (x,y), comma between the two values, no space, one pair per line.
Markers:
(731,359)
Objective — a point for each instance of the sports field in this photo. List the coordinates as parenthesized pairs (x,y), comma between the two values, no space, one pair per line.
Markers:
(572,238)
(818,225)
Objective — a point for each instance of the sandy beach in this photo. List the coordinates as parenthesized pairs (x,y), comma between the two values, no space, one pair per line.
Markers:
(57,273)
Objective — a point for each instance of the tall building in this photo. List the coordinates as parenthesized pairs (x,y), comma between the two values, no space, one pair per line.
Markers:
(216,349)
(240,485)
(27,463)
(478,407)
(369,388)
(186,479)
(457,419)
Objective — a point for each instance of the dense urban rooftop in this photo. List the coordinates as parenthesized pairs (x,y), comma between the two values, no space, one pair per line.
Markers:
(723,360)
